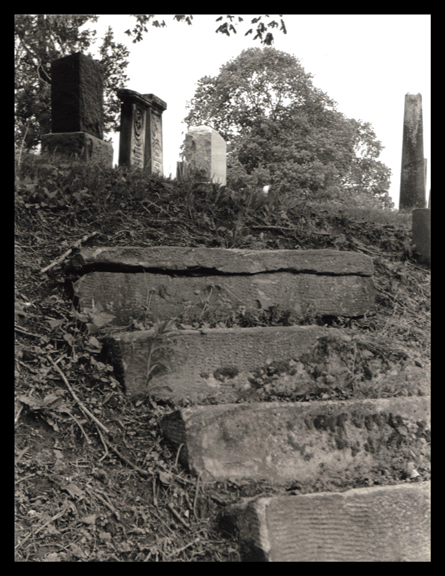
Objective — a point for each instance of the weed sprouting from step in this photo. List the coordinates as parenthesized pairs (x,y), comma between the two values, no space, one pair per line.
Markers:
(161,332)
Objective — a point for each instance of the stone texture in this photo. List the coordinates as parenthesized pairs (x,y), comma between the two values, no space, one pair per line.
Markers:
(79,145)
(205,154)
(223,260)
(195,362)
(422,233)
(218,297)
(378,524)
(141,143)
(77,95)
(412,184)
(299,441)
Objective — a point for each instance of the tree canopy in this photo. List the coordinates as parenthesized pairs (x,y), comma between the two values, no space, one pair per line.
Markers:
(282,130)
(257,23)
(38,40)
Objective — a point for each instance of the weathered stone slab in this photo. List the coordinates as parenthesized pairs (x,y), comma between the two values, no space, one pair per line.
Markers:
(225,261)
(77,95)
(198,364)
(141,143)
(204,154)
(218,298)
(378,524)
(422,233)
(79,145)
(299,441)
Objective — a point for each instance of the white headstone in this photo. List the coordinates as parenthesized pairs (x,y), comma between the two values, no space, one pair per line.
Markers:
(205,154)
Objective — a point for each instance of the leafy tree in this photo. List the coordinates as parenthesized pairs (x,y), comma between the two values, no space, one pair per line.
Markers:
(38,40)
(262,29)
(282,130)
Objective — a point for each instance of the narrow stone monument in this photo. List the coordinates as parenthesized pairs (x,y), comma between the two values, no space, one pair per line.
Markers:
(204,155)
(412,185)
(77,118)
(141,143)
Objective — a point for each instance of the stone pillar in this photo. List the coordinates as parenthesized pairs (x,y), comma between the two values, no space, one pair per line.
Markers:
(141,142)
(204,154)
(412,185)
(77,118)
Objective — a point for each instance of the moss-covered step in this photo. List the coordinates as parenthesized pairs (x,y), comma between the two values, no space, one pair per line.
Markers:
(202,364)
(214,284)
(376,524)
(300,441)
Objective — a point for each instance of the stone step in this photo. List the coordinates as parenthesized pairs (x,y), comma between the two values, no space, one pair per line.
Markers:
(300,441)
(214,284)
(202,364)
(223,260)
(378,524)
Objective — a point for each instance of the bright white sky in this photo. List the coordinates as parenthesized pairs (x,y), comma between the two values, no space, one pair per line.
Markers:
(366,63)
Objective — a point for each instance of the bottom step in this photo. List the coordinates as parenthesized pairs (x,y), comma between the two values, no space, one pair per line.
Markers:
(379,524)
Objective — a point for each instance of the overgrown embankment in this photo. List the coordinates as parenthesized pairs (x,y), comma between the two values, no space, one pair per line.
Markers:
(94,479)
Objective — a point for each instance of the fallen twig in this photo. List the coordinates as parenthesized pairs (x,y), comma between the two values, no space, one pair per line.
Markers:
(196,497)
(177,454)
(104,443)
(179,550)
(17,416)
(18,329)
(35,532)
(19,457)
(292,229)
(81,428)
(177,516)
(68,252)
(102,499)
(77,399)
(143,473)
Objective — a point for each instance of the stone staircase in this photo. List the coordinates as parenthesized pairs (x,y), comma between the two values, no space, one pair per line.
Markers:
(222,428)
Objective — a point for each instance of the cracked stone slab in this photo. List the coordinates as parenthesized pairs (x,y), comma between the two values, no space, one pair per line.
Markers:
(225,260)
(299,441)
(201,364)
(150,296)
(377,524)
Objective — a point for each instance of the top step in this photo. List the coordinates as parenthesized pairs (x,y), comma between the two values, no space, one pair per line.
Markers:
(223,260)
(212,284)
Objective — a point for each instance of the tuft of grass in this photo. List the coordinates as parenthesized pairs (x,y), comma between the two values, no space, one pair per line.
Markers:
(158,342)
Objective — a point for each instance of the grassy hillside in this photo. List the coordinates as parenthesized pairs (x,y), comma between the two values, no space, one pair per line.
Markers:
(84,496)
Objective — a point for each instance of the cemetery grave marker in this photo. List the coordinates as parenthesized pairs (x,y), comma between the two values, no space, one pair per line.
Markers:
(205,155)
(412,184)
(77,119)
(141,142)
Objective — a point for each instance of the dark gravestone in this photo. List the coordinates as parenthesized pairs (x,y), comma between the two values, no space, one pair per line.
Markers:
(77,95)
(77,117)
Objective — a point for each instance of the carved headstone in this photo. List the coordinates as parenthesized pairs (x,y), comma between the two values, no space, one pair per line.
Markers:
(204,154)
(412,185)
(77,118)
(141,143)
